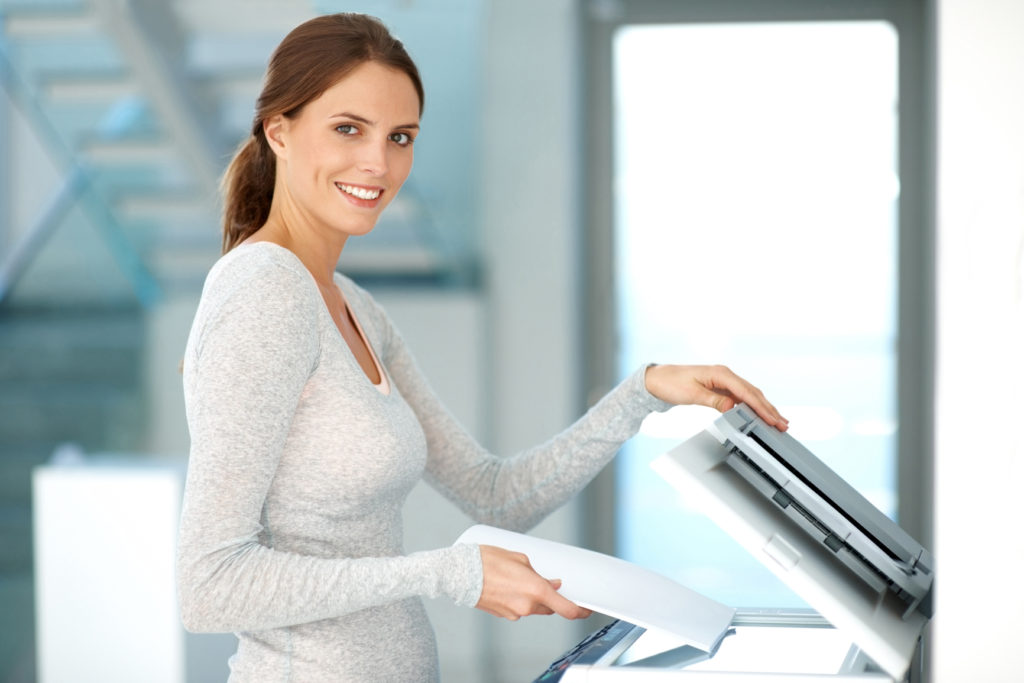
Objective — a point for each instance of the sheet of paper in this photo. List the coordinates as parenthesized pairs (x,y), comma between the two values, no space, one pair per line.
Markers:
(617,588)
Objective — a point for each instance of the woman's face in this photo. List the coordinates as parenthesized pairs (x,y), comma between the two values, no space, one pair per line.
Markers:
(343,158)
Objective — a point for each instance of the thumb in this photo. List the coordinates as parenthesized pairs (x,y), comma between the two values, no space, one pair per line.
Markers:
(555,583)
(713,399)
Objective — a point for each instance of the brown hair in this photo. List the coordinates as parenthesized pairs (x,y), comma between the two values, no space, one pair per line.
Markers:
(310,59)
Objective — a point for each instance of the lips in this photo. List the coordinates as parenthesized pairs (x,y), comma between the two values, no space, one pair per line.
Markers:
(364,193)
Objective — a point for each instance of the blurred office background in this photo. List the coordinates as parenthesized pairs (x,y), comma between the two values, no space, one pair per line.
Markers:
(827,195)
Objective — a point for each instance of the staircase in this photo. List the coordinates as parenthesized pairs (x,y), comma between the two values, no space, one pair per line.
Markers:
(140,103)
(104,86)
(130,143)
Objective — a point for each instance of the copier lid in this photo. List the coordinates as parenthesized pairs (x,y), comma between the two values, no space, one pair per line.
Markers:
(873,620)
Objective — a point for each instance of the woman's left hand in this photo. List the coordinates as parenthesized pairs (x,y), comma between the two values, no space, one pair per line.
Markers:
(715,386)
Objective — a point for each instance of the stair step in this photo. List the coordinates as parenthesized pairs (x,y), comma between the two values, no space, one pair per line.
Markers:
(50,23)
(9,7)
(188,208)
(103,86)
(145,152)
(70,375)
(50,56)
(112,179)
(37,327)
(185,267)
(186,237)
(97,417)
(27,371)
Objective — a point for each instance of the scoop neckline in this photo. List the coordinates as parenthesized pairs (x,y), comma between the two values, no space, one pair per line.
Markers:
(384,386)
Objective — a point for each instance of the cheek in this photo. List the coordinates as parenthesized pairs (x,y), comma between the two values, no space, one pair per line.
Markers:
(317,157)
(402,167)
(301,164)
(320,160)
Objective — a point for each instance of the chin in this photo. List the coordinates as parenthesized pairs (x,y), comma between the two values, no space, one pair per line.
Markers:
(358,230)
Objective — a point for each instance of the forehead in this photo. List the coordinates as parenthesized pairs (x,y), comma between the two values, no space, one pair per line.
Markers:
(371,88)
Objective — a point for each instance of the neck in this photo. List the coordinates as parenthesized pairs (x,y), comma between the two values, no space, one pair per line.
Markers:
(319,250)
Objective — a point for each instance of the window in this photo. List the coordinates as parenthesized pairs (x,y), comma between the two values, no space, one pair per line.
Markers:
(757,217)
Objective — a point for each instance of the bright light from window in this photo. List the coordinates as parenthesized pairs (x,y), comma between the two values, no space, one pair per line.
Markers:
(756,199)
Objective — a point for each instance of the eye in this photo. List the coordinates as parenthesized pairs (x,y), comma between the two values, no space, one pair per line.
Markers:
(401,139)
(347,129)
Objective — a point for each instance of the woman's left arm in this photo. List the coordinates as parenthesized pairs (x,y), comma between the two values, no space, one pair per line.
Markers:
(518,491)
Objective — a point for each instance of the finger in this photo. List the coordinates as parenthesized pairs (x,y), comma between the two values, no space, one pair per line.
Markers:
(768,412)
(556,584)
(725,380)
(564,607)
(753,397)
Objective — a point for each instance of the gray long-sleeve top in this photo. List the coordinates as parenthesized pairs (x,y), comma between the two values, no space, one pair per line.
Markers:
(291,532)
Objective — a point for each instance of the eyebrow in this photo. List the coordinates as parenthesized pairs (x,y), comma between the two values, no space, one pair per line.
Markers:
(363,119)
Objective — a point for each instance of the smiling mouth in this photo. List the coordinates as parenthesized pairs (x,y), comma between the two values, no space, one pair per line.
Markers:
(360,192)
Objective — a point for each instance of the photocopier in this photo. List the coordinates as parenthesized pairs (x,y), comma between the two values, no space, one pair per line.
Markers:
(868,583)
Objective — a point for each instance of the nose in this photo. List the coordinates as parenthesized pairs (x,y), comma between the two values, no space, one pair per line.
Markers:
(373,157)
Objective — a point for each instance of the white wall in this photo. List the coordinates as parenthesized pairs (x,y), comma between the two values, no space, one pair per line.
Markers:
(979,468)
(124,627)
(529,222)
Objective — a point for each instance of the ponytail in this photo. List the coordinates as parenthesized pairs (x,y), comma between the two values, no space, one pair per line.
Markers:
(248,188)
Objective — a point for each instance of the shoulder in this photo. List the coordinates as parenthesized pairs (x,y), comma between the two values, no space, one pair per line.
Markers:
(263,266)
(261,283)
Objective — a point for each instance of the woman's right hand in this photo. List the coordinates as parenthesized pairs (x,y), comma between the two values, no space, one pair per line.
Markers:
(512,589)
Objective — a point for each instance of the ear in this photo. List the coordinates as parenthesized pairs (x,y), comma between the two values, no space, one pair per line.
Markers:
(276,129)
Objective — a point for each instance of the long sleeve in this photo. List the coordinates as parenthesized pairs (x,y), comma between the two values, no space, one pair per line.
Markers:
(518,491)
(251,557)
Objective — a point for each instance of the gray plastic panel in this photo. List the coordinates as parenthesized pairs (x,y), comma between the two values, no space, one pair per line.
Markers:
(827,507)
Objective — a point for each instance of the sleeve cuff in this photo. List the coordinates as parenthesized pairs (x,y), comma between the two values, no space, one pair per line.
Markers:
(639,384)
(464,577)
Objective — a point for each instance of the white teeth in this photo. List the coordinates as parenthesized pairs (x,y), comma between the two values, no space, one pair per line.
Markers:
(358,191)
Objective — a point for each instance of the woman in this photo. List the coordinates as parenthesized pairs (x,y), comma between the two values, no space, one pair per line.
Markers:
(309,420)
